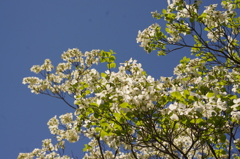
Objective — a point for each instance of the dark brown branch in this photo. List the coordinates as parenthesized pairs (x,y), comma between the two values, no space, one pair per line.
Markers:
(212,150)
(99,144)
(134,155)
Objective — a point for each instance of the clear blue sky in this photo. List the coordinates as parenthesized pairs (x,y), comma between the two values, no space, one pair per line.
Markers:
(33,30)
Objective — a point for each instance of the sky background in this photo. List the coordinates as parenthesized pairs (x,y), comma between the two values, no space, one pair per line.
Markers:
(33,30)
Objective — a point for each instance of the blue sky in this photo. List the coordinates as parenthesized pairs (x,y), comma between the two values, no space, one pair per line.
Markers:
(33,30)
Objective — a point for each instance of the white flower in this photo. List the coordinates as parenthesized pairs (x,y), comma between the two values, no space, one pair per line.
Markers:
(53,122)
(36,69)
(237,142)
(46,144)
(221,105)
(174,117)
(66,118)
(227,5)
(211,36)
(72,135)
(236,115)
(47,65)
(237,101)
(25,156)
(172,107)
(144,37)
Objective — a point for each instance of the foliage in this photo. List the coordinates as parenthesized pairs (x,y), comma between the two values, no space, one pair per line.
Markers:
(128,114)
(213,31)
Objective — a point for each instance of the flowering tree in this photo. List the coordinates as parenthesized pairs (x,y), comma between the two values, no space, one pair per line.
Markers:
(128,114)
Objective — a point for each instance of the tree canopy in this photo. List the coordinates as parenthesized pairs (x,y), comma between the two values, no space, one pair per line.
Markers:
(126,113)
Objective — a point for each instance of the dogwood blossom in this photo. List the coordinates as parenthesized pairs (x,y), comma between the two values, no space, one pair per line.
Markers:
(126,113)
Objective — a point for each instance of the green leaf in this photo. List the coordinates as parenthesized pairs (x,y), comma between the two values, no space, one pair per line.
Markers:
(87,147)
(164,11)
(112,58)
(103,75)
(199,120)
(117,116)
(233,97)
(124,105)
(96,114)
(93,104)
(107,60)
(113,65)
(222,138)
(102,60)
(104,133)
(191,19)
(98,129)
(144,73)
(104,125)
(185,60)
(186,93)
(209,94)
(176,95)
(167,30)
(112,52)
(161,53)
(139,123)
(88,92)
(129,115)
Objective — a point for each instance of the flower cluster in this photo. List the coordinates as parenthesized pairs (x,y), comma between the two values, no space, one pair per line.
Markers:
(70,133)
(47,146)
(144,37)
(182,18)
(195,95)
(65,76)
(128,114)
